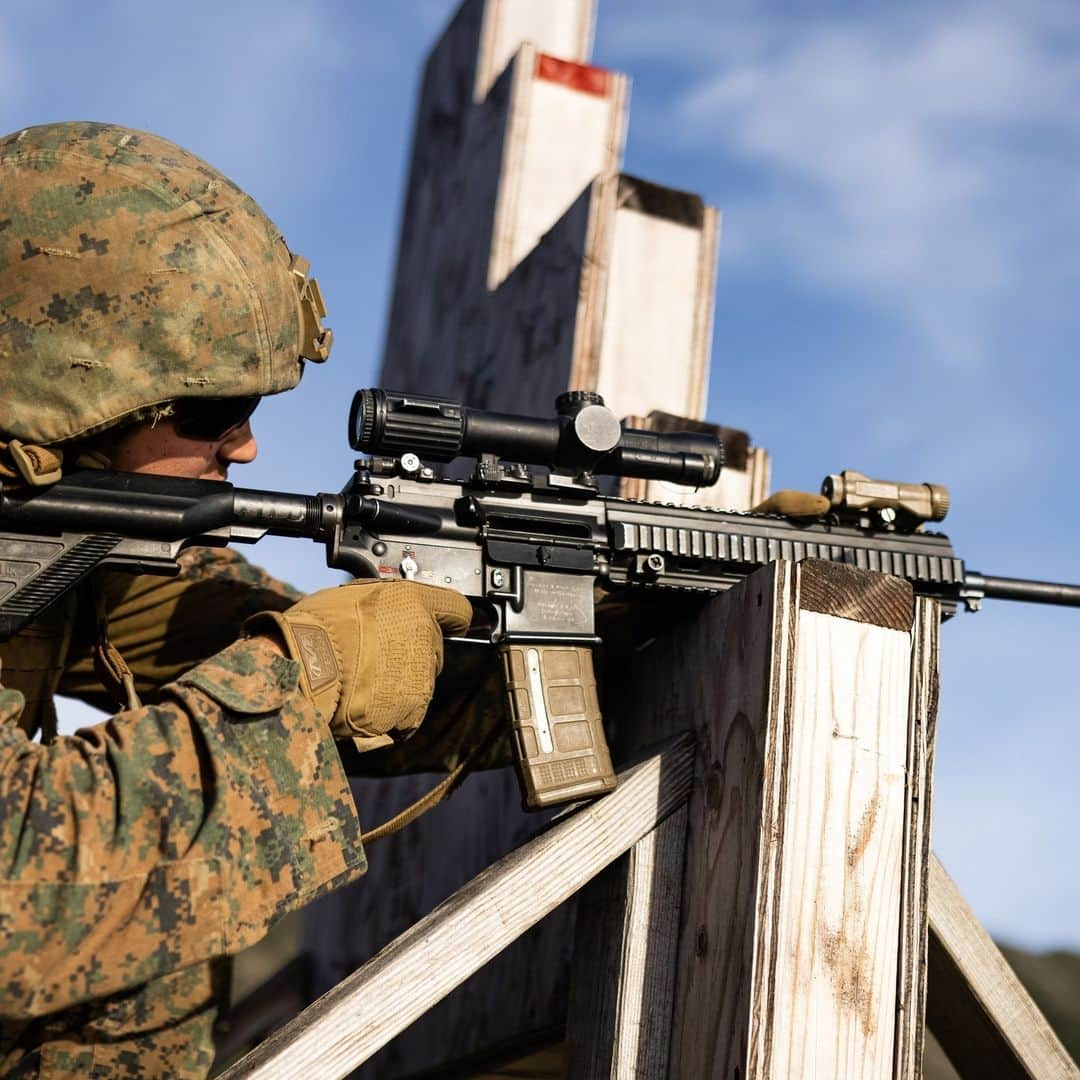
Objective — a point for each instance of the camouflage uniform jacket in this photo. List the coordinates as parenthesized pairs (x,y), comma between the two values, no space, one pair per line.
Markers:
(140,849)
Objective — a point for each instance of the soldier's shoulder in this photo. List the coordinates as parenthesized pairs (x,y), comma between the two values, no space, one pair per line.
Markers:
(229,566)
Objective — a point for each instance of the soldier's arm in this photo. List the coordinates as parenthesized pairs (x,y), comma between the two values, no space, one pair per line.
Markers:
(164,626)
(167,834)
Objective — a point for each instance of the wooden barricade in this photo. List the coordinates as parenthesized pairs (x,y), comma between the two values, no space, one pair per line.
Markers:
(757,890)
(754,898)
(527,265)
(779,948)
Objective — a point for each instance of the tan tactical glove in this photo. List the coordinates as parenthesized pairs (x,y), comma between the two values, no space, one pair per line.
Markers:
(795,504)
(369,653)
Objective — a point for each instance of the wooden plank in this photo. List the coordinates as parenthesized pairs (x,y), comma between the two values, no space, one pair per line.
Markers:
(977,1009)
(409,875)
(911,961)
(347,1025)
(828,929)
(562,28)
(652,347)
(485,181)
(794,901)
(547,326)
(620,1012)
(566,124)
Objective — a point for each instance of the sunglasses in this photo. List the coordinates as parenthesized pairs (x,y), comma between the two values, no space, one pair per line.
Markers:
(213,418)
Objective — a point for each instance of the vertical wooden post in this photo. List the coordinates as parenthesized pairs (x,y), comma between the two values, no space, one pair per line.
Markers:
(623,975)
(916,860)
(803,915)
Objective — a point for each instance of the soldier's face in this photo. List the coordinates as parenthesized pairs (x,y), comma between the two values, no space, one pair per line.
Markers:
(160,449)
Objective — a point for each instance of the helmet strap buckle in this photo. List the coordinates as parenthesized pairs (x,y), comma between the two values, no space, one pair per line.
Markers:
(37,465)
(315,340)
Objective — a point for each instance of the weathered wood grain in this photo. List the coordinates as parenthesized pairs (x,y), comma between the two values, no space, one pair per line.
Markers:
(795,899)
(410,874)
(922,728)
(828,930)
(348,1024)
(835,589)
(977,1008)
(621,992)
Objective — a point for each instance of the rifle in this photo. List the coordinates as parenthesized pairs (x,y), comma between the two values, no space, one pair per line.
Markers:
(528,546)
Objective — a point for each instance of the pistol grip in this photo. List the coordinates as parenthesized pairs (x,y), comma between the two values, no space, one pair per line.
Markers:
(560,750)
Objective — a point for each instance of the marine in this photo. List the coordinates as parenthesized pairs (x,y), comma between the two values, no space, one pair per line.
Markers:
(147,304)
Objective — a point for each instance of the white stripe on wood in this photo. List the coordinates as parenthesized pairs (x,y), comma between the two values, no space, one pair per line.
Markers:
(348,1024)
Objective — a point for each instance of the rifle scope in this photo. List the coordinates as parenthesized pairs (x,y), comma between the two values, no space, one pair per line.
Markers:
(584,437)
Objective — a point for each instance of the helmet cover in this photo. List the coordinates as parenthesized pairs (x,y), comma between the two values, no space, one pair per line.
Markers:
(132,275)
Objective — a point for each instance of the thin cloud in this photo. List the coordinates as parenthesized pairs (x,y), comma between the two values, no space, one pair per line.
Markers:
(898,154)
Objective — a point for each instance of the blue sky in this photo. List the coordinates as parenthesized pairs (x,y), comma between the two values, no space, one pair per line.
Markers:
(896,288)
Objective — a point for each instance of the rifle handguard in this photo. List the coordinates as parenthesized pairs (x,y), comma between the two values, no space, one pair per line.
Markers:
(560,750)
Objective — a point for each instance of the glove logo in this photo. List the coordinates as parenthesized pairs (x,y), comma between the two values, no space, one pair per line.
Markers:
(317,656)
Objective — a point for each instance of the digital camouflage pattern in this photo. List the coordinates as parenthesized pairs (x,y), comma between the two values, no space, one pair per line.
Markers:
(161,626)
(167,836)
(236,766)
(132,274)
(163,1028)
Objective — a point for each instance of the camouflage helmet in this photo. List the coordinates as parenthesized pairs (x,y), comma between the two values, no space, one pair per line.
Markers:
(134,275)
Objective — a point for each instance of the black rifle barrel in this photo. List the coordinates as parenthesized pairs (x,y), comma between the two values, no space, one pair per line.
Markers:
(1031,592)
(162,507)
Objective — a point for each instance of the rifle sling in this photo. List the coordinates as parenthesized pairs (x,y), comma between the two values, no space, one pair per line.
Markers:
(436,795)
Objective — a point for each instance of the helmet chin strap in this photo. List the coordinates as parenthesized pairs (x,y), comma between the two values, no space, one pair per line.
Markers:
(24,464)
(111,668)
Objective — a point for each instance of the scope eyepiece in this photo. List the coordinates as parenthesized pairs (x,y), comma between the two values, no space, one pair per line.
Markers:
(584,437)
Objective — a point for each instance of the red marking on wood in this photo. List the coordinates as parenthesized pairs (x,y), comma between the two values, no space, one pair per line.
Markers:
(583,77)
